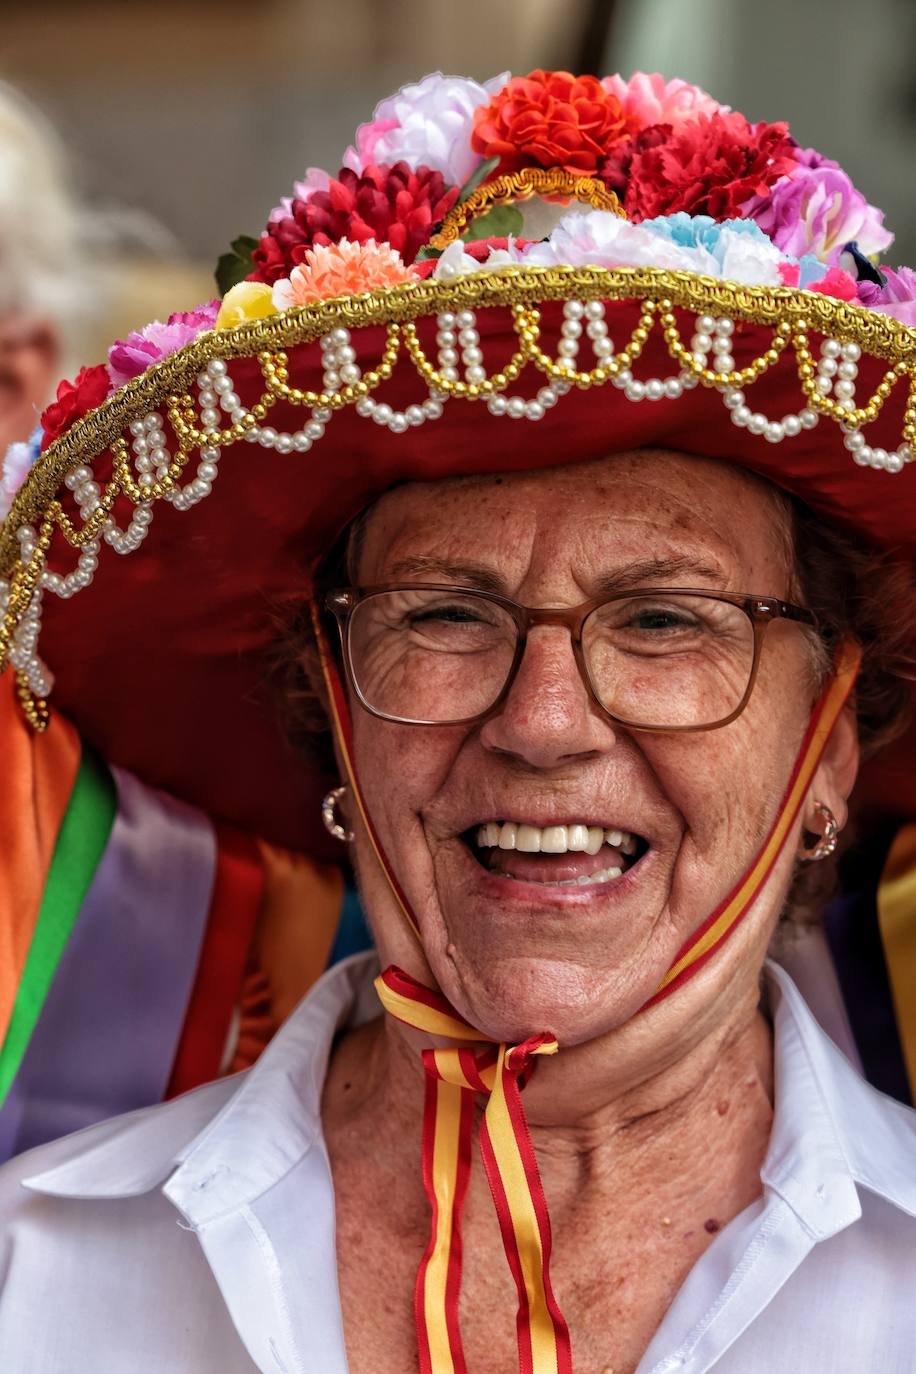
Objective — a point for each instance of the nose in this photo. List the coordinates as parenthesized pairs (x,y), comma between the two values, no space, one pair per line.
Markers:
(549,716)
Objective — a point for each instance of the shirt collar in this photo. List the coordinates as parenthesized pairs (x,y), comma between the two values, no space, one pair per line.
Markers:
(832,1131)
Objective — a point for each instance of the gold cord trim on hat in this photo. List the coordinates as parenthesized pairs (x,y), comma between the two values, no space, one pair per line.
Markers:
(522,185)
(807,311)
(792,315)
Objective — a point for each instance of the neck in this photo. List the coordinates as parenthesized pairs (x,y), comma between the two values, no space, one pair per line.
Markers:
(643,1104)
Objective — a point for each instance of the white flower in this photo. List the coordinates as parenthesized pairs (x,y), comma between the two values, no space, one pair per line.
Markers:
(746,259)
(427,124)
(457,262)
(14,469)
(602,239)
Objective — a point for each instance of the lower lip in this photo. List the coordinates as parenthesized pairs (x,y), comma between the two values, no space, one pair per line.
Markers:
(499,887)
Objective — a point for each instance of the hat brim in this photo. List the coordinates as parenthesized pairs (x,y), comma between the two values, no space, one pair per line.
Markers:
(163,662)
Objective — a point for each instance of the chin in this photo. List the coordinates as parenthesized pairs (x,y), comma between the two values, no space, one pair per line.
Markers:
(511,996)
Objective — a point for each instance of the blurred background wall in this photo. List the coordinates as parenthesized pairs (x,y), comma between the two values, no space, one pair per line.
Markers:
(192,117)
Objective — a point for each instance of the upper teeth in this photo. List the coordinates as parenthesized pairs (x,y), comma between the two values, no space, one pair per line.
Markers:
(553,839)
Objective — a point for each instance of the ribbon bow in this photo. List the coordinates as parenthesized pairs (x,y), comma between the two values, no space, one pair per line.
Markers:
(453,1077)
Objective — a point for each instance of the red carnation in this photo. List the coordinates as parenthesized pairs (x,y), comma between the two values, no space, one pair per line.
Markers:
(392,205)
(550,119)
(710,165)
(74,400)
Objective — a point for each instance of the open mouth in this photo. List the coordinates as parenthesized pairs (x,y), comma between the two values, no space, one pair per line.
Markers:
(575,854)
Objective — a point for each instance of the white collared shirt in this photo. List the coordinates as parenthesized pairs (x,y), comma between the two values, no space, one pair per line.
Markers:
(198,1236)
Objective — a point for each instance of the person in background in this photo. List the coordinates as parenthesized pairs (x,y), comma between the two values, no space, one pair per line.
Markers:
(102,1014)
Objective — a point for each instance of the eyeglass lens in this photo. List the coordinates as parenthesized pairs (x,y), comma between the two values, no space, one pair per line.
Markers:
(653,659)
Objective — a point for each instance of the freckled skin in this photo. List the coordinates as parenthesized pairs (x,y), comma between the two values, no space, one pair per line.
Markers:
(704,800)
(626,1118)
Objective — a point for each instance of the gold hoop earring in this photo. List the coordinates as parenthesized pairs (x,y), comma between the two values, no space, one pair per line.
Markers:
(829,837)
(329,815)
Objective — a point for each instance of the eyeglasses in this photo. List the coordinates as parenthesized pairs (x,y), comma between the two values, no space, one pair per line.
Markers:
(662,659)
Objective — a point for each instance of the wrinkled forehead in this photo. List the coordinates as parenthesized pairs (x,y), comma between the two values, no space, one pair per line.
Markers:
(646,503)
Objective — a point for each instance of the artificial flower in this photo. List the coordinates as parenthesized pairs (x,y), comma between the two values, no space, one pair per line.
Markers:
(599,239)
(897,296)
(836,282)
(816,209)
(341,269)
(427,124)
(649,99)
(734,251)
(132,356)
(395,205)
(550,119)
(482,255)
(315,179)
(803,273)
(247,300)
(710,165)
(74,400)
(14,468)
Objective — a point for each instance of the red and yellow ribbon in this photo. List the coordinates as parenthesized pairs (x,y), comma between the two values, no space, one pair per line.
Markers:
(455,1076)
(453,1079)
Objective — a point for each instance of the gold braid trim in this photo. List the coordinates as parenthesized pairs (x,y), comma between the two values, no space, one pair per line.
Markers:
(522,185)
(792,314)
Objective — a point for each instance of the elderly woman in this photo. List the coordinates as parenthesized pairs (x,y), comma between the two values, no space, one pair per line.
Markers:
(597,693)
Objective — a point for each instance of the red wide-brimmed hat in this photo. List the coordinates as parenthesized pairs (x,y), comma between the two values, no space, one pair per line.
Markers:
(504,277)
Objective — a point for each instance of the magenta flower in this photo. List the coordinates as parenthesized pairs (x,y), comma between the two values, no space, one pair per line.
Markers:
(132,356)
(816,209)
(898,295)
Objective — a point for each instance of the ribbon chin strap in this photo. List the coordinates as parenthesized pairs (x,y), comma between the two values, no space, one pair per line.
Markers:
(453,1079)
(455,1076)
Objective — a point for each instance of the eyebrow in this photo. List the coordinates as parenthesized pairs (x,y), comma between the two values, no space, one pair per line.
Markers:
(646,572)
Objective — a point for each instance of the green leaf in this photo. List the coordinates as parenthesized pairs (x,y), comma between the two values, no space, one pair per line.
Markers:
(244,246)
(427,252)
(498,223)
(234,266)
(477,176)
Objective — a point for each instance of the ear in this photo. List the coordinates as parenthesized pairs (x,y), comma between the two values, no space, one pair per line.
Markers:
(836,773)
(29,359)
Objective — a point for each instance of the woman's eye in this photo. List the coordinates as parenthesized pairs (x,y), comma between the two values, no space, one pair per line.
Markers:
(452,615)
(661,620)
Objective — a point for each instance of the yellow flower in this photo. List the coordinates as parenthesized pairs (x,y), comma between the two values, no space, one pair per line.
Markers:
(247,300)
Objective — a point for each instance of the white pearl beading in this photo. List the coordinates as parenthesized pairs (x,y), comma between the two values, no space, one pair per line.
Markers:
(714,336)
(837,370)
(24,656)
(873,456)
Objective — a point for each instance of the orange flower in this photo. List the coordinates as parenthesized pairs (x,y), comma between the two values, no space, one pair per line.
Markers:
(341,269)
(550,119)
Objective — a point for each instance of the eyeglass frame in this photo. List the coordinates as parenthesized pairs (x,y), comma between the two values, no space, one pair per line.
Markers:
(762,611)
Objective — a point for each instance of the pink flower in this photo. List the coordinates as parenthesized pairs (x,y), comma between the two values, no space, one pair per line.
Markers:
(341,269)
(898,295)
(427,124)
(836,282)
(816,209)
(132,356)
(316,179)
(649,99)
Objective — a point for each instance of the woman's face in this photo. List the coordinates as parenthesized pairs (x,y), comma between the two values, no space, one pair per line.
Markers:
(510,940)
